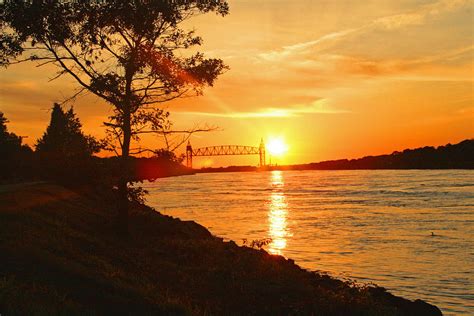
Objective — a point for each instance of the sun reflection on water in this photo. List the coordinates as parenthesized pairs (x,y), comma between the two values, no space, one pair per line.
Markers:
(277,215)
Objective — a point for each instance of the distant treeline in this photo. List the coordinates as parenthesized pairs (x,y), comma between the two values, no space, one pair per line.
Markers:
(142,169)
(64,154)
(458,156)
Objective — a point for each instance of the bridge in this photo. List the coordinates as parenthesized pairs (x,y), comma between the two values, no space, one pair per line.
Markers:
(225,150)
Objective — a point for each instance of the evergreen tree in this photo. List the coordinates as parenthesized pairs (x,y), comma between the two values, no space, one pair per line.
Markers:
(15,158)
(10,143)
(134,55)
(64,138)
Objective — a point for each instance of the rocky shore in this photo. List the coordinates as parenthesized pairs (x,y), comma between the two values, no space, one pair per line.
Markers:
(60,255)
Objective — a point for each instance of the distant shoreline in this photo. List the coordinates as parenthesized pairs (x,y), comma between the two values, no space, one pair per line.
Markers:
(297,168)
(449,157)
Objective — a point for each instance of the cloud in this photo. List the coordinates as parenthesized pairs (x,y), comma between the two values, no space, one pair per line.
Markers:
(391,22)
(301,47)
(449,55)
(419,16)
(316,107)
(333,70)
(417,67)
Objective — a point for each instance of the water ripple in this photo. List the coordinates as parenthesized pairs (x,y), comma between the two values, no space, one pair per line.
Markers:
(372,226)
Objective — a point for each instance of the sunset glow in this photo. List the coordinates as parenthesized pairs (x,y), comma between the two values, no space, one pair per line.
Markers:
(277,215)
(277,147)
(316,71)
(234,157)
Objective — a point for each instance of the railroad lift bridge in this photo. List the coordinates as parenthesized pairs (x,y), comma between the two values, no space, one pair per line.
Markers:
(225,150)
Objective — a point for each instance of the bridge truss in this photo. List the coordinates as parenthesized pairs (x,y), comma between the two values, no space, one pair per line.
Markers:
(225,150)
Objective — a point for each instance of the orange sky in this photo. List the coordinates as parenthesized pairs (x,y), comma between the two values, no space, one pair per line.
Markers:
(334,79)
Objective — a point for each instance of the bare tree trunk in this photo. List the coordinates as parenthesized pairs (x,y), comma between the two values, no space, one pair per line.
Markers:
(122,218)
(125,165)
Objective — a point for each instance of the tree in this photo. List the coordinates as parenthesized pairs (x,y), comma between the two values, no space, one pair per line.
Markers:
(169,155)
(133,54)
(14,156)
(11,145)
(64,138)
(9,142)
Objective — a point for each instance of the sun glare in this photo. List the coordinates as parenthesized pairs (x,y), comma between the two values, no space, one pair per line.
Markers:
(276,147)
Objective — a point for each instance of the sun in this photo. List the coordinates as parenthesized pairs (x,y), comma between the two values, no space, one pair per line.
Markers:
(276,147)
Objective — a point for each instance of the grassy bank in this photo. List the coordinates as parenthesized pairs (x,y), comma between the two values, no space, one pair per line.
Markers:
(59,255)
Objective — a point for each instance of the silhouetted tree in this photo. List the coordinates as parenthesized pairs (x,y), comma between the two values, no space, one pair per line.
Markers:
(131,54)
(9,142)
(168,155)
(64,138)
(14,156)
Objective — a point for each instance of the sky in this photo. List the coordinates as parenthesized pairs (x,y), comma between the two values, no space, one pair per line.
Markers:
(332,79)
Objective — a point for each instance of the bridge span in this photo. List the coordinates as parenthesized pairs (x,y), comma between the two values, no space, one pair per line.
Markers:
(225,150)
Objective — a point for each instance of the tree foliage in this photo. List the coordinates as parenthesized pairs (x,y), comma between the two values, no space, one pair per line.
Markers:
(64,138)
(134,54)
(169,155)
(129,53)
(15,157)
(9,142)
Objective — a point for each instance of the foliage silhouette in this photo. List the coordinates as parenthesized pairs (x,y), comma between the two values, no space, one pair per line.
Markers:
(450,156)
(9,142)
(257,243)
(169,155)
(64,154)
(457,156)
(15,158)
(129,53)
(64,137)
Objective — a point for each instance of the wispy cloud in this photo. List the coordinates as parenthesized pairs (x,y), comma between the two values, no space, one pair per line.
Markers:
(419,16)
(391,22)
(317,107)
(301,47)
(448,55)
(415,67)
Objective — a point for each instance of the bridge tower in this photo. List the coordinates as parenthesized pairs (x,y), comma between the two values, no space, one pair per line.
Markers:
(189,155)
(261,152)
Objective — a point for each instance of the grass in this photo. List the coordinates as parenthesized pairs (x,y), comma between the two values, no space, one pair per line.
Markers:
(60,256)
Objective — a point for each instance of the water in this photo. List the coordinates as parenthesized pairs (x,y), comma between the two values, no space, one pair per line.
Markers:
(371,226)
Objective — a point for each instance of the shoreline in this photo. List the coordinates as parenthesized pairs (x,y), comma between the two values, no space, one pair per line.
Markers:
(290,168)
(167,265)
(447,157)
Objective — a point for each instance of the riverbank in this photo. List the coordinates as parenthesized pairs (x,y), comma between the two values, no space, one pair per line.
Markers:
(60,256)
(457,156)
